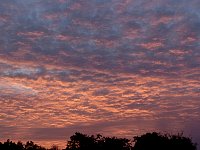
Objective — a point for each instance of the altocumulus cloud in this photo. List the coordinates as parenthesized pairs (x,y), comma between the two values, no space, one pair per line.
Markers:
(115,66)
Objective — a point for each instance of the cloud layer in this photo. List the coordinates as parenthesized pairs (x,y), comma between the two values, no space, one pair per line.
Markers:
(118,67)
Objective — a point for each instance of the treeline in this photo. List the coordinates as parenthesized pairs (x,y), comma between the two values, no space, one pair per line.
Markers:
(79,141)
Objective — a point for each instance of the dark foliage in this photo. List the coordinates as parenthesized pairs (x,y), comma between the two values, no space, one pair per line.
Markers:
(9,145)
(148,141)
(79,141)
(156,141)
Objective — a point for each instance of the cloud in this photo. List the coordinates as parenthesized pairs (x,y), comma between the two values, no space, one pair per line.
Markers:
(66,63)
(22,71)
(101,92)
(16,89)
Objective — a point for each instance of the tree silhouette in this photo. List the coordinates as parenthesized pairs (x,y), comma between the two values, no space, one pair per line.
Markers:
(181,142)
(157,141)
(81,141)
(115,144)
(9,145)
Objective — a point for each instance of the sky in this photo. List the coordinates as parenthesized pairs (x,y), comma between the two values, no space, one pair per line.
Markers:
(115,67)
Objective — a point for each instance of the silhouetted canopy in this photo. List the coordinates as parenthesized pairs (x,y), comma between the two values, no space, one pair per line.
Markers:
(157,141)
